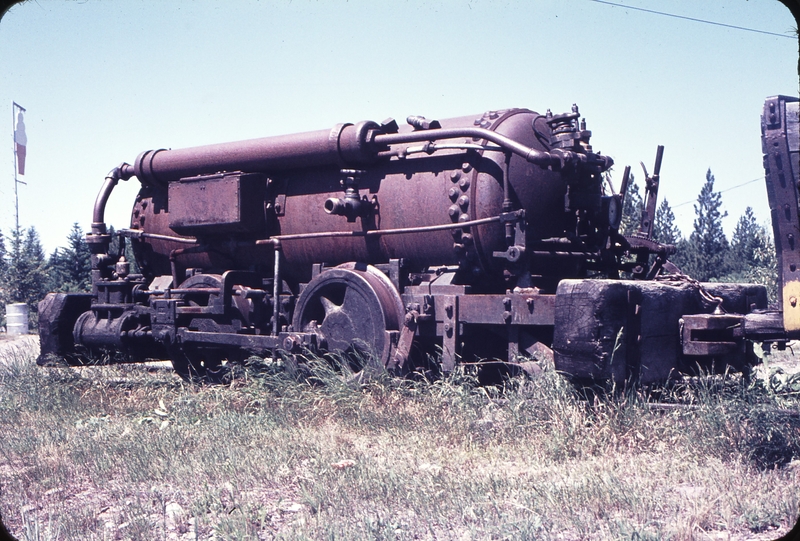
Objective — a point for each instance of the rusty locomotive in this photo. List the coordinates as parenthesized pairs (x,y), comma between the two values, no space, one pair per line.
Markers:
(493,236)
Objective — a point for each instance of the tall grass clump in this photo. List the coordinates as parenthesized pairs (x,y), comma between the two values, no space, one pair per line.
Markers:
(320,448)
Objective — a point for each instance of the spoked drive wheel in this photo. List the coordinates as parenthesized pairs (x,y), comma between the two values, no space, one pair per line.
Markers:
(353,309)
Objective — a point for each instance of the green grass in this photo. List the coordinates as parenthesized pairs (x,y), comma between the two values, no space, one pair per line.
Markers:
(286,452)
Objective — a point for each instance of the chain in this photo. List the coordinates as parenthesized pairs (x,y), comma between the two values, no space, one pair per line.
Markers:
(710,299)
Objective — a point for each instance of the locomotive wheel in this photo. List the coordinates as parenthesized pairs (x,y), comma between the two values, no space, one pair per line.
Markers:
(195,363)
(200,365)
(351,308)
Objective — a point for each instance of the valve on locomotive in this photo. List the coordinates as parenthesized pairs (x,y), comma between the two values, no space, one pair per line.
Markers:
(351,205)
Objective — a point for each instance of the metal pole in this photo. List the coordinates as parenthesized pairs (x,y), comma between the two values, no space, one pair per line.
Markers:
(14,148)
(14,107)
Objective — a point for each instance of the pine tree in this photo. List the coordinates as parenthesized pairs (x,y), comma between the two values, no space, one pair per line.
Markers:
(71,267)
(3,255)
(631,209)
(665,230)
(747,239)
(706,254)
(15,268)
(752,256)
(27,275)
(37,279)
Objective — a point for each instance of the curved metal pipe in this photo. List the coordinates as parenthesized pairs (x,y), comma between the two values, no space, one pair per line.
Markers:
(530,154)
(121,172)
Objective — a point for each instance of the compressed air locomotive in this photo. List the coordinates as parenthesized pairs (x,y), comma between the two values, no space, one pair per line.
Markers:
(480,237)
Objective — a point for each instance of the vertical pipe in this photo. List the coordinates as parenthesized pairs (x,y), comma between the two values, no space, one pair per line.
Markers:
(507,205)
(276,288)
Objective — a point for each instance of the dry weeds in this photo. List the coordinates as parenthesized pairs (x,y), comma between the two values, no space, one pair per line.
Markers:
(132,452)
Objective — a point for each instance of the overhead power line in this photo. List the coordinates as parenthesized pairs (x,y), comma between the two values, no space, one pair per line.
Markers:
(721,191)
(693,19)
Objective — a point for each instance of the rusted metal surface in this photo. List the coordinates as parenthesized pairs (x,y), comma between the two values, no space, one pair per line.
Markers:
(780,140)
(399,243)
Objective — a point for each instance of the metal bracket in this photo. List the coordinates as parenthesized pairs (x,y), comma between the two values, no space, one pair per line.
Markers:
(512,253)
(447,310)
(404,343)
(712,334)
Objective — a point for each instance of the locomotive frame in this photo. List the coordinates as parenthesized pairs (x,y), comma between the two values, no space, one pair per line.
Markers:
(472,238)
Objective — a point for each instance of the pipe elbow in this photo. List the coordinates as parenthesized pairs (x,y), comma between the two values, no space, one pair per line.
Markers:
(123,171)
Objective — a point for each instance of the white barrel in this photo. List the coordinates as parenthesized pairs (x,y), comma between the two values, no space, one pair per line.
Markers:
(17,318)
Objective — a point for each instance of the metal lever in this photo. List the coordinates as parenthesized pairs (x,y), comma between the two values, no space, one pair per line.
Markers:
(650,196)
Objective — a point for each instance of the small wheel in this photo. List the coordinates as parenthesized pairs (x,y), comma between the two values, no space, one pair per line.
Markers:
(351,308)
(196,363)
(200,365)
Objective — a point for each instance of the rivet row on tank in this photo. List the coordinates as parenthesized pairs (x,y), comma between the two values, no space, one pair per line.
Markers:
(466,238)
(455,175)
(463,218)
(453,211)
(466,167)
(464,183)
(453,193)
(463,202)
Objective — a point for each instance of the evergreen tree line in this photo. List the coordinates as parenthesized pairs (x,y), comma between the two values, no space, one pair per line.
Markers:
(27,275)
(707,255)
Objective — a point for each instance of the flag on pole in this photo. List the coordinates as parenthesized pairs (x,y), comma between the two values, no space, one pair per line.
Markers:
(20,142)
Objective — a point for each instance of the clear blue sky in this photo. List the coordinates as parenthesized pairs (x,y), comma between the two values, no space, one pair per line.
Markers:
(103,81)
